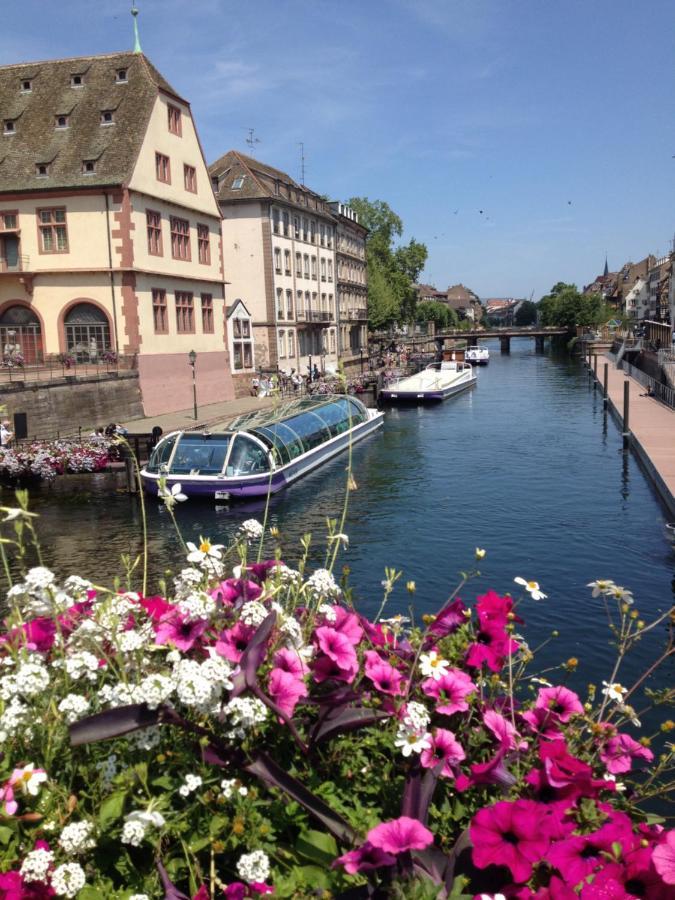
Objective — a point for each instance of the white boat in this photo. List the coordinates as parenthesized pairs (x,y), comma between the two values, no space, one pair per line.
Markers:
(477,356)
(437,382)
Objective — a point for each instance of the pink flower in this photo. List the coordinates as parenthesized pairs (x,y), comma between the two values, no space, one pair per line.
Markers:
(491,647)
(449,619)
(493,771)
(492,609)
(578,856)
(40,634)
(233,589)
(325,668)
(663,858)
(156,607)
(620,751)
(7,799)
(291,661)
(233,641)
(512,835)
(562,769)
(176,629)
(502,729)
(285,689)
(347,623)
(384,676)
(450,691)
(366,857)
(202,893)
(10,886)
(560,702)
(337,646)
(400,835)
(444,748)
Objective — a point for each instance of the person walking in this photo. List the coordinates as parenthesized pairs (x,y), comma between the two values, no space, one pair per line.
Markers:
(6,434)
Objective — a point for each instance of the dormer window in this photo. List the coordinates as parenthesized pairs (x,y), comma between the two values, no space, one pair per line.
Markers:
(121,76)
(9,126)
(238,183)
(76,81)
(107,117)
(62,121)
(26,86)
(89,167)
(42,170)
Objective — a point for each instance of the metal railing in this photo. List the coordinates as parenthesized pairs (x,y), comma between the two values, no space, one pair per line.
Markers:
(661,392)
(56,368)
(314,315)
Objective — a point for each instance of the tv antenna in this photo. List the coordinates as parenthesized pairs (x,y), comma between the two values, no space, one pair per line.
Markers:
(301,144)
(251,140)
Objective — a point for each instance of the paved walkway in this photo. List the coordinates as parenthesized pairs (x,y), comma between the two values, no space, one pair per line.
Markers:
(652,425)
(206,415)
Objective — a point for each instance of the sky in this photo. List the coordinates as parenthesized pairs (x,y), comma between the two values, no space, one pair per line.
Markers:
(520,140)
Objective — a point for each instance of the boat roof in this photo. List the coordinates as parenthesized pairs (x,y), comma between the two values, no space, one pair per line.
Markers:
(262,417)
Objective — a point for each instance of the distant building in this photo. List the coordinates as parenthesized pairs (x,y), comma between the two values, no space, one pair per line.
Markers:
(465,302)
(502,310)
(352,284)
(658,286)
(279,243)
(109,230)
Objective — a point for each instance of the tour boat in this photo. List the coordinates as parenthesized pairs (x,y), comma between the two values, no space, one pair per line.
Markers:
(477,356)
(437,382)
(260,452)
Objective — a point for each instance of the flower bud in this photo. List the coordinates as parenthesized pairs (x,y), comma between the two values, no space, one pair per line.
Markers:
(668,725)
(480,553)
(410,587)
(572,663)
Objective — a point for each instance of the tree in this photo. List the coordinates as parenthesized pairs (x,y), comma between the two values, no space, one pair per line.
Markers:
(565,306)
(433,311)
(392,271)
(527,313)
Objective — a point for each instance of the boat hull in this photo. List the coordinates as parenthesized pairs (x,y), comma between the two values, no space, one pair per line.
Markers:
(248,486)
(397,395)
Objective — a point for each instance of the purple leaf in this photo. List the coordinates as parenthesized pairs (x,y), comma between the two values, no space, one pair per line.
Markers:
(253,655)
(171,892)
(264,768)
(343,720)
(411,792)
(114,723)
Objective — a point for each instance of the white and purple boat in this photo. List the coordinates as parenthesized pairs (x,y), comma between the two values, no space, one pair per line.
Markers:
(260,452)
(437,382)
(477,356)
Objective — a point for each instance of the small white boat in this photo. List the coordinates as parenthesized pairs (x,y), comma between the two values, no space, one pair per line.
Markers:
(437,382)
(477,356)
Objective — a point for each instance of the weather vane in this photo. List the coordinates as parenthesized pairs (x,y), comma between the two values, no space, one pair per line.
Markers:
(137,40)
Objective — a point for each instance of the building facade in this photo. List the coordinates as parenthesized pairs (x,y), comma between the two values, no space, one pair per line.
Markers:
(352,285)
(109,230)
(279,242)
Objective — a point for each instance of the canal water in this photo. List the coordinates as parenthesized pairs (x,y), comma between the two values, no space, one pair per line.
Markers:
(527,465)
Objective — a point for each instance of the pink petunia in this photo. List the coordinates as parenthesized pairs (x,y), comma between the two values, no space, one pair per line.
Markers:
(364,858)
(503,730)
(562,769)
(384,676)
(325,668)
(444,748)
(512,835)
(233,589)
(620,751)
(174,628)
(337,646)
(400,835)
(233,641)
(7,799)
(560,702)
(286,690)
(663,858)
(347,623)
(493,771)
(492,609)
(291,661)
(491,647)
(40,634)
(450,691)
(156,607)
(449,619)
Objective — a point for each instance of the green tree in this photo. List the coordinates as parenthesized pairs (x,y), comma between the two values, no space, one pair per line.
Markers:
(433,311)
(565,306)
(392,270)
(527,313)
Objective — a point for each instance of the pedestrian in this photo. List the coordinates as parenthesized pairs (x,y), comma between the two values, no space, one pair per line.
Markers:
(6,434)
(315,373)
(155,435)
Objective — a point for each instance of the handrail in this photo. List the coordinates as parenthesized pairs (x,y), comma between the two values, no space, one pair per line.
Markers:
(661,392)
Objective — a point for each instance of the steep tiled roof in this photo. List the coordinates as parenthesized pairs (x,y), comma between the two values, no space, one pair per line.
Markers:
(35,140)
(257,181)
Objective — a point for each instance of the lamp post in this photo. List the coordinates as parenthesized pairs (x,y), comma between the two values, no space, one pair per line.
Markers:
(192,357)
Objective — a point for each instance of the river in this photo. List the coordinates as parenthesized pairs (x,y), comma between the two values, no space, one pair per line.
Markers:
(527,465)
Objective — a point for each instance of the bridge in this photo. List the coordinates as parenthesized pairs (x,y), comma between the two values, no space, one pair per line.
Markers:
(472,336)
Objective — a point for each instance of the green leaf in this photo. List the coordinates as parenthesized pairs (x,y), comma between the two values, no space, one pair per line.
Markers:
(89,892)
(111,808)
(6,834)
(314,876)
(199,843)
(164,781)
(653,819)
(318,846)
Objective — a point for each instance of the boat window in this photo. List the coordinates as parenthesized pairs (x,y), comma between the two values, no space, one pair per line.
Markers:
(161,454)
(336,416)
(247,457)
(311,429)
(284,442)
(200,454)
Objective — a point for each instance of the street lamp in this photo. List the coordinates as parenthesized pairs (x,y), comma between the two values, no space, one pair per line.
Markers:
(192,357)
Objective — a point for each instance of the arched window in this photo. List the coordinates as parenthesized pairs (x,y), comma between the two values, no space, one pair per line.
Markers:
(87,331)
(21,335)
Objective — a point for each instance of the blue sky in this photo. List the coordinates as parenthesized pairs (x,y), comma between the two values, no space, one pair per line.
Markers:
(553,117)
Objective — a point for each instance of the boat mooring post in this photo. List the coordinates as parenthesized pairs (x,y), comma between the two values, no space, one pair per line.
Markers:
(595,370)
(626,410)
(605,380)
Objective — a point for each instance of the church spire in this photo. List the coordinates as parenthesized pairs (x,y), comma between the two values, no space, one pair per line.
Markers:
(137,40)
(606,272)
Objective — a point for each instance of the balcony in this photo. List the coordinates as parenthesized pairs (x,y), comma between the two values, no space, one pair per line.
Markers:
(356,314)
(314,315)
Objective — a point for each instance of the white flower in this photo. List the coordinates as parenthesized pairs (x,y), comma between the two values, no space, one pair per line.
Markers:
(621,594)
(327,611)
(155,689)
(416,716)
(532,587)
(411,741)
(192,783)
(246,712)
(30,680)
(480,553)
(82,665)
(14,512)
(132,640)
(614,691)
(170,497)
(139,897)
(205,551)
(196,605)
(251,529)
(601,586)
(137,823)
(253,613)
(396,621)
(323,584)
(433,666)
(68,879)
(35,866)
(227,786)
(29,779)
(343,538)
(611,779)
(73,707)
(76,838)
(39,578)
(254,867)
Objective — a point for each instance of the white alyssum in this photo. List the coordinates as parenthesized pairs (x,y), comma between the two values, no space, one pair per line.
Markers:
(35,866)
(82,665)
(327,611)
(187,580)
(254,867)
(197,605)
(135,639)
(228,787)
(245,713)
(416,717)
(74,707)
(16,716)
(139,897)
(68,879)
(39,578)
(322,584)
(251,529)
(108,769)
(77,837)
(138,823)
(253,613)
(192,783)
(156,688)
(29,680)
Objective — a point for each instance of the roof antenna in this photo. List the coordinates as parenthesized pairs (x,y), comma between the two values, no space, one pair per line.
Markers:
(301,144)
(251,140)
(137,40)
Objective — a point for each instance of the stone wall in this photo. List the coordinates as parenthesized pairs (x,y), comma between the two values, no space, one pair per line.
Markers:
(63,406)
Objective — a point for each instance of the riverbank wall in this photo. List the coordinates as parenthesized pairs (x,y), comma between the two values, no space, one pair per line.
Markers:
(651,426)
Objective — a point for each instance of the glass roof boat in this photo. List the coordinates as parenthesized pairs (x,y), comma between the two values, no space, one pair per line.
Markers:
(437,382)
(259,452)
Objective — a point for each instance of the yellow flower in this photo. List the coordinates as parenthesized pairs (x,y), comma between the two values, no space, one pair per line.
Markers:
(480,553)
(410,587)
